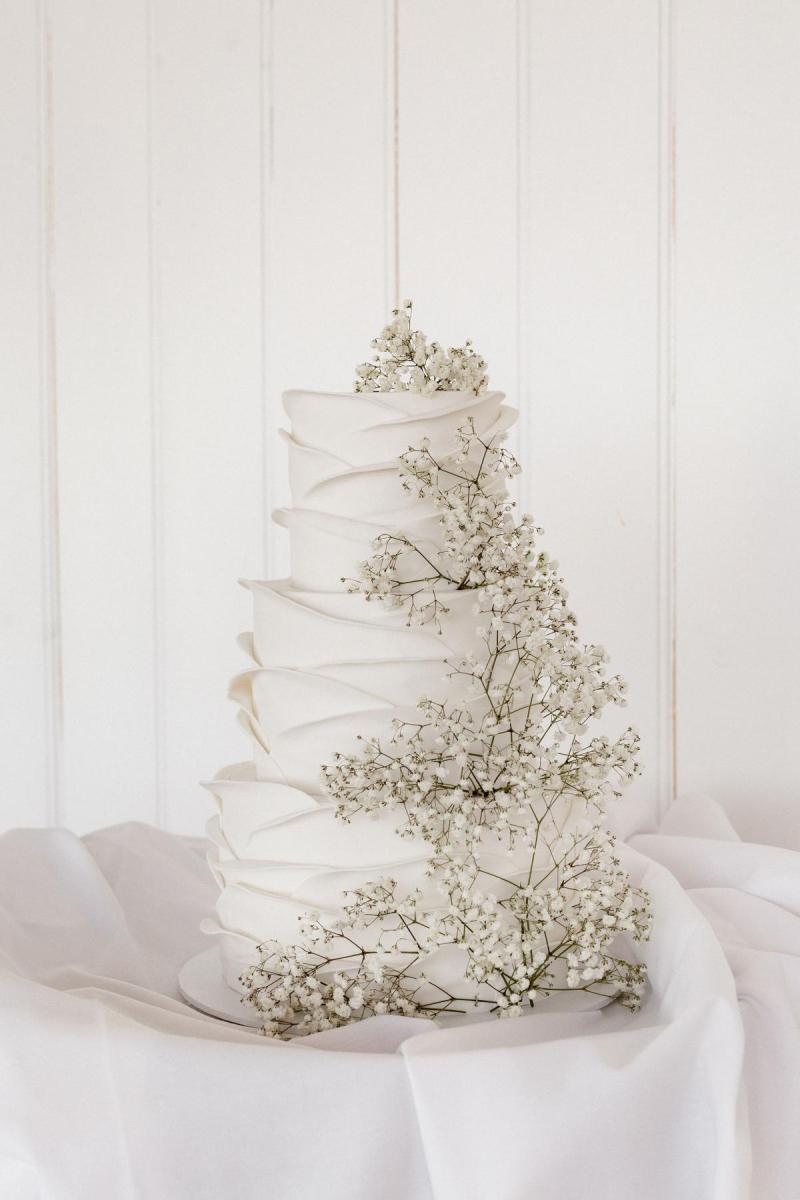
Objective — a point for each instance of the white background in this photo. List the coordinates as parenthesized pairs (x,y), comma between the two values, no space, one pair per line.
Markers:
(207,201)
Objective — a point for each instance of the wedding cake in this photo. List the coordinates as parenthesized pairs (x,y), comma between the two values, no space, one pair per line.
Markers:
(336,860)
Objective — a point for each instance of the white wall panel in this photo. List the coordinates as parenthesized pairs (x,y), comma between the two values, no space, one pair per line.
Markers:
(208,201)
(329,231)
(590,324)
(27,684)
(206,195)
(99,132)
(738,365)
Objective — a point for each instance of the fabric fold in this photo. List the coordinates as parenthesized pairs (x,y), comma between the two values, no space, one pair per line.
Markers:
(655,1104)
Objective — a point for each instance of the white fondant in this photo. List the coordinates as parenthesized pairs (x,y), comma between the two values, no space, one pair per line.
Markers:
(326,550)
(301,628)
(319,481)
(376,427)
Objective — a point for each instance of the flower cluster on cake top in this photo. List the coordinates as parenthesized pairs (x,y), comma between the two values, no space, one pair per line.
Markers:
(406,361)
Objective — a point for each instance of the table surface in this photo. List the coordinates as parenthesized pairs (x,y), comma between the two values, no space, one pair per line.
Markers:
(114,1087)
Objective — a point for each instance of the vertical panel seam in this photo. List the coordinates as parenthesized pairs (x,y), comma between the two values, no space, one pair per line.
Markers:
(48,401)
(396,116)
(673,412)
(157,533)
(523,214)
(266,27)
(391,189)
(666,413)
(388,155)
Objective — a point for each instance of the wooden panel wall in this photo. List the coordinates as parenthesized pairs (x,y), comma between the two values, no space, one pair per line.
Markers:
(98,135)
(738,367)
(206,202)
(29,675)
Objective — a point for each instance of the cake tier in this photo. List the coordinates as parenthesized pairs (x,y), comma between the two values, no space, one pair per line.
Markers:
(321,678)
(330,667)
(371,429)
(278,852)
(344,480)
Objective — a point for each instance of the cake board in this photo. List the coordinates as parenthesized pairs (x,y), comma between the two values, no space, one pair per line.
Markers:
(201,984)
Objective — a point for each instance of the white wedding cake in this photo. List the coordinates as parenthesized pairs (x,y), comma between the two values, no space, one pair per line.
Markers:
(417,830)
(330,667)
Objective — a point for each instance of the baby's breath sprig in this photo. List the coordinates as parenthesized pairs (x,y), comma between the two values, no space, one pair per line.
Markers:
(406,361)
(481,542)
(517,948)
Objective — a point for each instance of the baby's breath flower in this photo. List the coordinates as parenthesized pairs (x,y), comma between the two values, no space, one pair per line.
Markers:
(406,361)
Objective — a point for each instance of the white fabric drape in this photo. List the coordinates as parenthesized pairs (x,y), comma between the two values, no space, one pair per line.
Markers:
(112,1087)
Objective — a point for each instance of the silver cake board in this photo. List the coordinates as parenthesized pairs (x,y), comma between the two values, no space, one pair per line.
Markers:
(201,983)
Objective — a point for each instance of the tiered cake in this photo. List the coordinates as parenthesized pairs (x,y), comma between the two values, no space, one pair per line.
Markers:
(331,666)
(418,832)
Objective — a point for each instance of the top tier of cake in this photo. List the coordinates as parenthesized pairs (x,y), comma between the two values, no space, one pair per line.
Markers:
(343,471)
